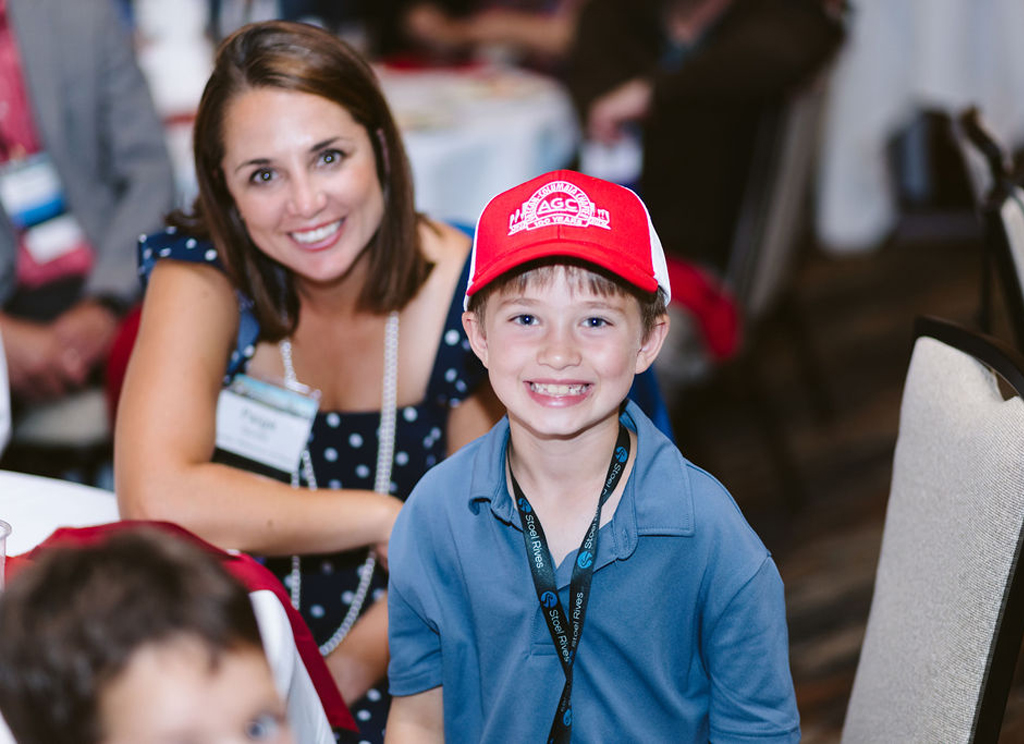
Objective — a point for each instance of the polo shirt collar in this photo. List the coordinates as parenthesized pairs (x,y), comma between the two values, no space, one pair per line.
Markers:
(659,465)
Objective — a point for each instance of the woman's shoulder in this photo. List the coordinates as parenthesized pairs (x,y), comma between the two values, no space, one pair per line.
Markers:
(174,244)
(456,372)
(442,243)
(447,248)
(193,287)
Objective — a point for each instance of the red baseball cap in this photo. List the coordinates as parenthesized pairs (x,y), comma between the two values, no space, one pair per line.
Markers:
(565,213)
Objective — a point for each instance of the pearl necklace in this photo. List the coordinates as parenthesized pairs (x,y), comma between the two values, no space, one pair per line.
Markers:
(382,476)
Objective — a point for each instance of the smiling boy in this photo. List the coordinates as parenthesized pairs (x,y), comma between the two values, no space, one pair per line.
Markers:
(656,614)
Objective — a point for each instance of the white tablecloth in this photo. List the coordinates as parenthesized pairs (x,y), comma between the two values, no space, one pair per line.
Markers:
(473,133)
(903,56)
(35,507)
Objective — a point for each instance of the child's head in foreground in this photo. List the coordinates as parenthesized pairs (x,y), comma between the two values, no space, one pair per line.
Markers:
(566,297)
(143,638)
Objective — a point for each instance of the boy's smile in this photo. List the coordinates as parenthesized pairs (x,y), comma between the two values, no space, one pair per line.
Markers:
(561,357)
(558,390)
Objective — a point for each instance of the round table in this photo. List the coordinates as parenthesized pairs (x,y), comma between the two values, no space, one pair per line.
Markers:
(473,132)
(36,506)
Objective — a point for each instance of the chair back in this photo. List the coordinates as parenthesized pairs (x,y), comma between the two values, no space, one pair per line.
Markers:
(773,214)
(985,162)
(947,615)
(1003,220)
(1000,207)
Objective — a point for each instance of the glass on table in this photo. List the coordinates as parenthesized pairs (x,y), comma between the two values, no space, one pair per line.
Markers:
(5,530)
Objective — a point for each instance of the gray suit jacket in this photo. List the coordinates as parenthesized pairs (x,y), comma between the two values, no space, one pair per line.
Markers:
(96,119)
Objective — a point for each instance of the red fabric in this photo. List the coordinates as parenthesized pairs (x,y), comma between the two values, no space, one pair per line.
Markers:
(77,261)
(17,127)
(244,568)
(711,305)
(19,137)
(117,360)
(408,61)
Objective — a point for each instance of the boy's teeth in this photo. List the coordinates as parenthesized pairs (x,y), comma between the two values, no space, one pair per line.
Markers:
(558,389)
(313,236)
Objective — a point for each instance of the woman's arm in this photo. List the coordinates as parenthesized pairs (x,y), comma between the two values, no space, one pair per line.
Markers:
(417,719)
(361,660)
(626,103)
(166,428)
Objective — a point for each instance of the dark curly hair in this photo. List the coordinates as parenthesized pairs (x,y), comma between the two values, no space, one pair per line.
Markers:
(71,621)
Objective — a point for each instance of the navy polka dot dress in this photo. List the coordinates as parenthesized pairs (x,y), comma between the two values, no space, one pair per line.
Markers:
(343,447)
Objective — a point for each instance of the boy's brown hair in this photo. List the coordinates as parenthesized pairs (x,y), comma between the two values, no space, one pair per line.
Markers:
(581,275)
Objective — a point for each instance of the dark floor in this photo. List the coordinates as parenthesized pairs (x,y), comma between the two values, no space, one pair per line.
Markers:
(860,311)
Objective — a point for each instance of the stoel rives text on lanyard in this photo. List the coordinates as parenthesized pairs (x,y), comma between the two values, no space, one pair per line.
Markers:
(566,629)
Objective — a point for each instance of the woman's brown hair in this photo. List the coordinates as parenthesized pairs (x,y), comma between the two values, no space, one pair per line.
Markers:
(306,59)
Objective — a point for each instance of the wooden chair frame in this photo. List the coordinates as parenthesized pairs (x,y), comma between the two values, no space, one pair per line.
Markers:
(997,253)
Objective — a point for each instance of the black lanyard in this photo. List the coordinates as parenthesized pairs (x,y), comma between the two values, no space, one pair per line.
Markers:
(566,629)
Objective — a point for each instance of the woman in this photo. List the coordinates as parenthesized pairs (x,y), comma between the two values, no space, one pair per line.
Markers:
(302,259)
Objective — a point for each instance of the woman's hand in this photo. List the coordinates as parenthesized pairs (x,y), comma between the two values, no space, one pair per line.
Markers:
(431,26)
(361,660)
(35,367)
(381,548)
(629,102)
(87,331)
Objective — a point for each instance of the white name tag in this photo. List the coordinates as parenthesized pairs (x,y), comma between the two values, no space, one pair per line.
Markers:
(30,190)
(54,238)
(265,423)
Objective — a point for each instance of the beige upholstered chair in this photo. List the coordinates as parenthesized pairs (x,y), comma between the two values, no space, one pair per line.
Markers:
(947,615)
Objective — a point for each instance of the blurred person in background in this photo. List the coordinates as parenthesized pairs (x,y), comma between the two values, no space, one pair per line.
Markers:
(534,33)
(83,171)
(694,78)
(226,16)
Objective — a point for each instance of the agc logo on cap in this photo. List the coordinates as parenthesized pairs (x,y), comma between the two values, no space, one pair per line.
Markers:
(558,203)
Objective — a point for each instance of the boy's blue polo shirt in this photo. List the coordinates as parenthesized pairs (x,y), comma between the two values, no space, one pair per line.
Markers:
(685,637)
